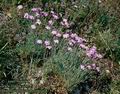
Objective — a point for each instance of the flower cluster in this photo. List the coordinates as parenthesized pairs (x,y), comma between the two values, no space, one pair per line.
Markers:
(45,43)
(28,16)
(90,67)
(72,39)
(37,13)
(65,23)
(92,53)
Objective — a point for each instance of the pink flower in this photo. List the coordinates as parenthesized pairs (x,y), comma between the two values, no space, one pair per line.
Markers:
(26,15)
(73,41)
(47,42)
(93,48)
(34,9)
(73,35)
(65,35)
(58,35)
(89,55)
(54,32)
(84,40)
(78,39)
(91,52)
(44,14)
(55,16)
(65,23)
(99,55)
(83,46)
(50,22)
(93,65)
(31,17)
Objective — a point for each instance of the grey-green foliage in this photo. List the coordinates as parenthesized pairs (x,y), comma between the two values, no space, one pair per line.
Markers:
(67,65)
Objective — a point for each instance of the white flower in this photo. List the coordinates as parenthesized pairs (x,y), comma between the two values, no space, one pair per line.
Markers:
(73,41)
(56,41)
(38,22)
(39,41)
(94,65)
(37,14)
(99,56)
(32,81)
(69,49)
(35,9)
(62,23)
(26,93)
(58,35)
(50,22)
(41,81)
(89,67)
(82,67)
(19,7)
(100,1)
(83,46)
(64,20)
(52,12)
(70,43)
(48,27)
(107,71)
(65,35)
(49,47)
(54,32)
(98,69)
(75,6)
(33,26)
(55,16)
(26,15)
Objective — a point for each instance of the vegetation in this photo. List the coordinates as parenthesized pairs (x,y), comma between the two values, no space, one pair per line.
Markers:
(59,47)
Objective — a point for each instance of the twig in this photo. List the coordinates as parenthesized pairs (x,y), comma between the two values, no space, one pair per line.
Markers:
(3,46)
